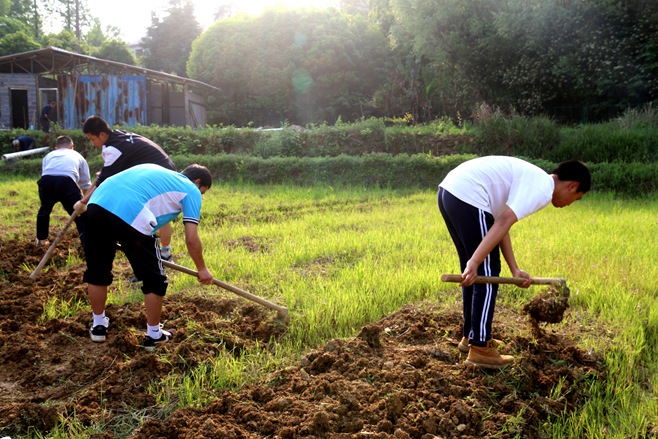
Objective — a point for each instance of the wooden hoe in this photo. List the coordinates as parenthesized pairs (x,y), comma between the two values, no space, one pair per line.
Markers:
(282,311)
(555,281)
(51,249)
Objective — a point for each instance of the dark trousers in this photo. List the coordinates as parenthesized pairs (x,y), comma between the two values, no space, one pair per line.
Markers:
(104,230)
(55,189)
(467,226)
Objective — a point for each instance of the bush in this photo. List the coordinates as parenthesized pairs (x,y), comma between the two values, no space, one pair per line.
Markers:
(381,170)
(517,135)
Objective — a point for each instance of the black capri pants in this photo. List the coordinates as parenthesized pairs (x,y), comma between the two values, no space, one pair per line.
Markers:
(104,231)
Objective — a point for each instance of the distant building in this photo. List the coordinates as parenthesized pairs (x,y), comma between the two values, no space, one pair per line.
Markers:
(84,85)
(137,48)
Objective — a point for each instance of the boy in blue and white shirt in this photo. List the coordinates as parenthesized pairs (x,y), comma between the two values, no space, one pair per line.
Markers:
(129,208)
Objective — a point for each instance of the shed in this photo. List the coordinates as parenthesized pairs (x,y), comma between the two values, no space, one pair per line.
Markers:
(83,85)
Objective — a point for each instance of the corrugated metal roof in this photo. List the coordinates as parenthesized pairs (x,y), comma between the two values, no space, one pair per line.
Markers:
(53,60)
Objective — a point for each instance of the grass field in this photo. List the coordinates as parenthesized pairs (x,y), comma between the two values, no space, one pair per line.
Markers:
(339,258)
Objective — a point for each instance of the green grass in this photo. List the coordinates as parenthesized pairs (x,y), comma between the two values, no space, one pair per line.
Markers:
(339,258)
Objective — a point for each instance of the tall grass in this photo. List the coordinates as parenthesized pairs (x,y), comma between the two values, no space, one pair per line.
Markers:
(339,258)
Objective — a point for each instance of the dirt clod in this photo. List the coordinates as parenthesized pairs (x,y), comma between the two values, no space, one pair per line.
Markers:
(547,307)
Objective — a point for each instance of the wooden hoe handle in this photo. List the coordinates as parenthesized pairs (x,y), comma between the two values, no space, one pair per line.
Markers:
(51,249)
(506,280)
(282,311)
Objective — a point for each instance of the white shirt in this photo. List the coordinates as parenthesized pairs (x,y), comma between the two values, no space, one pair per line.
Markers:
(68,163)
(491,183)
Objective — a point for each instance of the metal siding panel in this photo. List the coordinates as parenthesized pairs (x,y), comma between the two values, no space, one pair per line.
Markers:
(88,99)
(134,94)
(120,100)
(111,100)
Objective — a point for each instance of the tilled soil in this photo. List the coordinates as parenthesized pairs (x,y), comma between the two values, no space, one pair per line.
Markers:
(401,377)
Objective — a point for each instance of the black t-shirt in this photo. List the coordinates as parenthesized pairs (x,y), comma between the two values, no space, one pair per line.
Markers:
(124,150)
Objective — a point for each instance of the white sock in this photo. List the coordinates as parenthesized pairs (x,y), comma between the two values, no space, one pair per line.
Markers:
(100,319)
(153,331)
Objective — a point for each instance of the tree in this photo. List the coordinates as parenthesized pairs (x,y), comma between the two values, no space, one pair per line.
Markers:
(168,42)
(17,42)
(66,40)
(73,15)
(300,66)
(4,7)
(115,50)
(533,56)
(10,25)
(27,12)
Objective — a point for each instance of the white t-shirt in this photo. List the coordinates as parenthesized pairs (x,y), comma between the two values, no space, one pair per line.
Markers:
(67,162)
(493,182)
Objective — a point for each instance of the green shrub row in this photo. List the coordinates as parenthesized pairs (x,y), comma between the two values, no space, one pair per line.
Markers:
(364,137)
(381,170)
(629,140)
(542,138)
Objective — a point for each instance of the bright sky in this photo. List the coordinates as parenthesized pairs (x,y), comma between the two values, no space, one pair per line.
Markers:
(133,17)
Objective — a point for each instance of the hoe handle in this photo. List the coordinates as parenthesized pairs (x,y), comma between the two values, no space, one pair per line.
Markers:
(282,311)
(506,280)
(51,249)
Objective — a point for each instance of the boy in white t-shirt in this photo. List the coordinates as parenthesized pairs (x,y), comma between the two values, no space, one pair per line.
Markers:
(480,200)
(64,172)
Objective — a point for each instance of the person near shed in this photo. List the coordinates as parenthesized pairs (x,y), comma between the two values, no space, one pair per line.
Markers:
(45,116)
(479,201)
(150,196)
(122,150)
(64,174)
(23,143)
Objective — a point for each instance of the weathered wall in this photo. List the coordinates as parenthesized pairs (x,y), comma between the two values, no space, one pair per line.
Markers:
(13,116)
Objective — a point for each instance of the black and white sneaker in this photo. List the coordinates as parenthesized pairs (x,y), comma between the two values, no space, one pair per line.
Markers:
(150,343)
(98,333)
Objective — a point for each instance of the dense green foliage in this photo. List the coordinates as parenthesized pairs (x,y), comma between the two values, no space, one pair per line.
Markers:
(300,66)
(77,30)
(374,170)
(17,42)
(539,56)
(572,61)
(168,41)
(115,50)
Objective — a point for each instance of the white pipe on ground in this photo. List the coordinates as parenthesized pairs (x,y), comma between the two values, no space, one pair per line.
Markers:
(16,155)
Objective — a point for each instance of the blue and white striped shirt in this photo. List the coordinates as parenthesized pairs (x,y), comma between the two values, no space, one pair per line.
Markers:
(149,196)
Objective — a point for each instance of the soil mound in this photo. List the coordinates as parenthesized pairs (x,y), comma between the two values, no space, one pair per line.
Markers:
(402,376)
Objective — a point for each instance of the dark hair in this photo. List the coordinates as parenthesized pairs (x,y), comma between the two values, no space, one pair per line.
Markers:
(574,170)
(95,125)
(195,171)
(63,141)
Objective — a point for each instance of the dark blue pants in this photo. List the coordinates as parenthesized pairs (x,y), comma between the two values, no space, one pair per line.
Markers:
(55,189)
(467,226)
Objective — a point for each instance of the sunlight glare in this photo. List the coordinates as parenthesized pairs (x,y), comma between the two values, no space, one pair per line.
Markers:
(255,7)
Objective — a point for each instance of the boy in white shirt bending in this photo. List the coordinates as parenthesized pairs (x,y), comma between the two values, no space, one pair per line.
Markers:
(64,173)
(480,200)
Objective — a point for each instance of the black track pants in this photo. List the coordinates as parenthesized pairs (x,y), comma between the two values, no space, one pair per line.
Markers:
(467,226)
